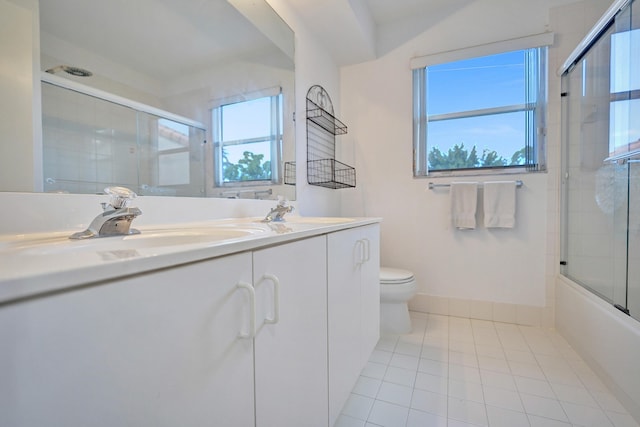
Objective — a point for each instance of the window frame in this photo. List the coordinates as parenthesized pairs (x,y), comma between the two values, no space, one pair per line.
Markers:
(275,138)
(536,126)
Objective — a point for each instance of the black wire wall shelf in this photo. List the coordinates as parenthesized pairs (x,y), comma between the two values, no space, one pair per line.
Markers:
(330,173)
(324,119)
(290,173)
(322,127)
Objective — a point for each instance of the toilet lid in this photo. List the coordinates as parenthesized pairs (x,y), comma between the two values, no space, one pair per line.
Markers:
(391,276)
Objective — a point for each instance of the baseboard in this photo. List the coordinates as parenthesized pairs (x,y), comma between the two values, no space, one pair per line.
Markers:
(483,310)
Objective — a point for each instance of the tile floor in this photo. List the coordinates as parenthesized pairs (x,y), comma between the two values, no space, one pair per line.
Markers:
(458,372)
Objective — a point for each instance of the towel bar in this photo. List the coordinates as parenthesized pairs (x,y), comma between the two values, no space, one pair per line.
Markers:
(519,183)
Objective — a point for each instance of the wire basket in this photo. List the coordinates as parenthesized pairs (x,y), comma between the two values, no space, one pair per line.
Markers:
(330,173)
(290,173)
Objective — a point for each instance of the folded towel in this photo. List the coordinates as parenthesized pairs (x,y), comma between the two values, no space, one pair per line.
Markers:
(500,204)
(464,200)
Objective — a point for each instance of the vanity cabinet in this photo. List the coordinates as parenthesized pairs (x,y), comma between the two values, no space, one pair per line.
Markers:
(159,349)
(274,336)
(291,338)
(353,297)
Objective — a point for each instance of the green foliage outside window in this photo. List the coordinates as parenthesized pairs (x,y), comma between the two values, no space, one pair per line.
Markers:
(248,168)
(459,157)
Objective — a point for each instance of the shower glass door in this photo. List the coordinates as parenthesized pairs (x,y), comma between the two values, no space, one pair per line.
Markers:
(601,179)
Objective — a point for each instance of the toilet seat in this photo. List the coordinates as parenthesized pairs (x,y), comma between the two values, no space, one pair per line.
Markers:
(395,276)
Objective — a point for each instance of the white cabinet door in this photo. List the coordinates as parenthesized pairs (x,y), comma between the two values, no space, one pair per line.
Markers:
(353,307)
(370,291)
(159,349)
(291,340)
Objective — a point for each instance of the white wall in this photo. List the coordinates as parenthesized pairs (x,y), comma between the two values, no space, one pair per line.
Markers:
(499,274)
(313,66)
(20,155)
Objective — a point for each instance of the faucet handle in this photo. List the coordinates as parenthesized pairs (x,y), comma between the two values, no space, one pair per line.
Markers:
(282,201)
(120,196)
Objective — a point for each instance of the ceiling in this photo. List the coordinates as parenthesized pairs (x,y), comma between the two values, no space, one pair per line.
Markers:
(362,30)
(163,38)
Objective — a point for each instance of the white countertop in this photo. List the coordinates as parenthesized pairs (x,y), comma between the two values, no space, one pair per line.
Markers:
(36,264)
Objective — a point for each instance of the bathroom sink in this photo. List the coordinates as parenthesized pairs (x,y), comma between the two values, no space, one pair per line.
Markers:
(58,243)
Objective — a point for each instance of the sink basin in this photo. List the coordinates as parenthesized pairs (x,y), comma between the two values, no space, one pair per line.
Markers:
(57,243)
(160,238)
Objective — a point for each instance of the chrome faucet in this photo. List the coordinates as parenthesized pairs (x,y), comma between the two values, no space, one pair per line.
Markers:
(277,214)
(116,218)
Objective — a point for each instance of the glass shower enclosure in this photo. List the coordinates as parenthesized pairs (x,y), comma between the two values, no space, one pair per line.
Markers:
(92,142)
(601,164)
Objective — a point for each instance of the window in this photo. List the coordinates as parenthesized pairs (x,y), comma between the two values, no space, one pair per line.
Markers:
(248,140)
(483,113)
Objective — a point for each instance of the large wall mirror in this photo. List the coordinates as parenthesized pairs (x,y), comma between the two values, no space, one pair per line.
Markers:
(167,97)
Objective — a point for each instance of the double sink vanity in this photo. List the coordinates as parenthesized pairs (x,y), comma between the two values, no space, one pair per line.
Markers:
(227,322)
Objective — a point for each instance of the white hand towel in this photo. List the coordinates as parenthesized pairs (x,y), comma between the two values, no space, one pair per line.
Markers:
(500,204)
(464,200)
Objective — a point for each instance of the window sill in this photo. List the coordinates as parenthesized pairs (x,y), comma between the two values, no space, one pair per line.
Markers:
(479,173)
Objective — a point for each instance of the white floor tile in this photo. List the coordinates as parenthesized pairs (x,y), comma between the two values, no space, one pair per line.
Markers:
(374,370)
(455,372)
(401,376)
(427,401)
(466,390)
(502,398)
(493,364)
(528,370)
(607,401)
(462,346)
(497,379)
(540,388)
(561,376)
(500,417)
(395,393)
(544,407)
(381,356)
(537,421)
(433,352)
(433,383)
(388,415)
(358,406)
(457,423)
(520,356)
(495,352)
(367,387)
(571,394)
(469,412)
(586,415)
(387,343)
(425,419)
(347,421)
(404,361)
(434,367)
(409,349)
(622,420)
(464,373)
(465,359)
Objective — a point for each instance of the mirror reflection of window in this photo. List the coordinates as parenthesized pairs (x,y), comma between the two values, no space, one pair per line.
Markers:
(248,138)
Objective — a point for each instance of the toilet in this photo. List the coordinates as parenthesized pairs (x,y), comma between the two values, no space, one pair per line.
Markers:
(396,289)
